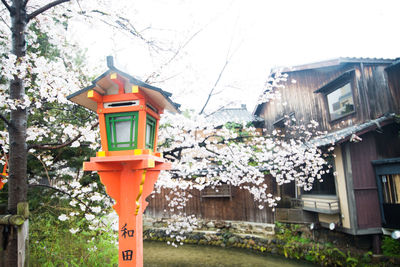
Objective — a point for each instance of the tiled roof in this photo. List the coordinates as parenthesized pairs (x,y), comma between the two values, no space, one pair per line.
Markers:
(396,62)
(334,62)
(351,132)
(231,115)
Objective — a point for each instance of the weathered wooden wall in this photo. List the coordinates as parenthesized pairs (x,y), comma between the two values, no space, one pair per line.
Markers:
(372,96)
(240,207)
(379,96)
(388,141)
(394,85)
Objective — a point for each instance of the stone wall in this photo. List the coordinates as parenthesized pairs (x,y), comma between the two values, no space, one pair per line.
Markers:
(259,230)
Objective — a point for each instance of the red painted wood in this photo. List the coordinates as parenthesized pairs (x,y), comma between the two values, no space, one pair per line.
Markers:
(129,180)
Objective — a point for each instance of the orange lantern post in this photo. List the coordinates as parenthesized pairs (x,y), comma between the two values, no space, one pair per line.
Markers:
(4,174)
(128,164)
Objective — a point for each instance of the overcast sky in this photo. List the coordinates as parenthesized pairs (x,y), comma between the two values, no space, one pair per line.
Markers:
(255,35)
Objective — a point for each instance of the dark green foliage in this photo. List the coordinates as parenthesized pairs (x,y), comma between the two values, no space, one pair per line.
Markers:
(390,247)
(292,245)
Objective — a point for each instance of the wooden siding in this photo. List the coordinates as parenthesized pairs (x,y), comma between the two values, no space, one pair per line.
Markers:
(240,208)
(393,74)
(299,97)
(380,100)
(388,141)
(365,188)
(371,93)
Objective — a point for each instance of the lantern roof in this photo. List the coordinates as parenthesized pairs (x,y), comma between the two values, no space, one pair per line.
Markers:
(104,83)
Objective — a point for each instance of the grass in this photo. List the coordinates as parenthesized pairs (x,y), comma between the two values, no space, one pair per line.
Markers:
(159,254)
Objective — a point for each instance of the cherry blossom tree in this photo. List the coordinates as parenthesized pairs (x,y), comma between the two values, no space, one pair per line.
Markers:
(208,154)
(36,121)
(32,82)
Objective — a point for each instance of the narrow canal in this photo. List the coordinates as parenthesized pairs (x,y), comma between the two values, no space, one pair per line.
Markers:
(159,254)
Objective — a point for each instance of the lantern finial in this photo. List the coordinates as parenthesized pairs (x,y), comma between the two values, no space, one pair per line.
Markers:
(110,62)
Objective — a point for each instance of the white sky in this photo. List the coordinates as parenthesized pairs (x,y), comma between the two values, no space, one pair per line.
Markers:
(258,34)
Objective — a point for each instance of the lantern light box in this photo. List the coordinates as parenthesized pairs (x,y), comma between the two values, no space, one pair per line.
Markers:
(128,109)
(128,164)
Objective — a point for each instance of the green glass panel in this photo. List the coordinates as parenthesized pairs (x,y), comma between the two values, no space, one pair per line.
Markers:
(150,132)
(121,130)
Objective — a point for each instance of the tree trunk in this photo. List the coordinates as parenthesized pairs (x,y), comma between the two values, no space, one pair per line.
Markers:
(17,182)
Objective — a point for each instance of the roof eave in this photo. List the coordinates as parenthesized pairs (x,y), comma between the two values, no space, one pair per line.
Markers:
(171,106)
(332,62)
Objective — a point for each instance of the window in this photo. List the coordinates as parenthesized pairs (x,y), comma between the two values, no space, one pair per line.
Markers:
(338,95)
(121,131)
(388,181)
(328,184)
(150,132)
(326,187)
(391,188)
(223,190)
(340,102)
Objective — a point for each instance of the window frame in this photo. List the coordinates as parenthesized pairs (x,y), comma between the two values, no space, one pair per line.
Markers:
(153,124)
(112,146)
(329,179)
(336,84)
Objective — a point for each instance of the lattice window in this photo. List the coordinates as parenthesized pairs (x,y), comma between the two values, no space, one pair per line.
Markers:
(122,130)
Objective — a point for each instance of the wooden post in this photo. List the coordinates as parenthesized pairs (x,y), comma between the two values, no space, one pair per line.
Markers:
(129,180)
(23,235)
(130,223)
(376,244)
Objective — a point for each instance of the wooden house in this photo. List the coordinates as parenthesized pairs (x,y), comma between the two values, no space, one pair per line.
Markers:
(355,100)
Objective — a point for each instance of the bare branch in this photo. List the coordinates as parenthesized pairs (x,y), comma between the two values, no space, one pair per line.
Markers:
(44,167)
(227,60)
(5,23)
(121,23)
(45,8)
(57,146)
(215,85)
(220,108)
(5,120)
(6,5)
(177,52)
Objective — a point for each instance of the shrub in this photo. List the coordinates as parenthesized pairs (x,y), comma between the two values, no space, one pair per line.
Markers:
(390,247)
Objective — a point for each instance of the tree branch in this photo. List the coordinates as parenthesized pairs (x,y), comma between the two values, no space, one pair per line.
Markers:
(215,85)
(57,146)
(5,120)
(6,5)
(227,61)
(66,193)
(176,153)
(44,167)
(45,8)
(156,73)
(60,191)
